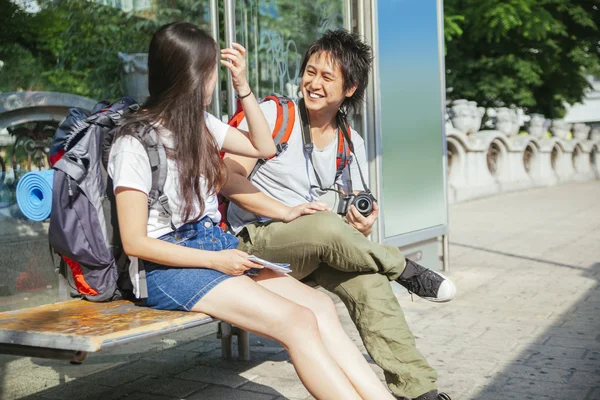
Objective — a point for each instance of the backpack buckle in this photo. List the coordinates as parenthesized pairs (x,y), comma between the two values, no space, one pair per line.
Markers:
(281,147)
(308,147)
(163,200)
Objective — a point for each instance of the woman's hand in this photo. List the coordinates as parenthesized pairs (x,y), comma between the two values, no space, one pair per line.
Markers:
(233,262)
(235,61)
(304,209)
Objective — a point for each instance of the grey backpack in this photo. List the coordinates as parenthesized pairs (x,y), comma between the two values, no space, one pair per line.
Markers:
(84,228)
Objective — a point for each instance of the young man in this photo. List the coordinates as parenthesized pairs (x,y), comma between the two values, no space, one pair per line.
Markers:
(278,216)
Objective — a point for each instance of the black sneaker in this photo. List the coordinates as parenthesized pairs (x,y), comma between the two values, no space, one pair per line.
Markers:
(427,284)
(433,395)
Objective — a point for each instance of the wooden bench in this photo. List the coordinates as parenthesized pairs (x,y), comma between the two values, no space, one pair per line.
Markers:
(70,329)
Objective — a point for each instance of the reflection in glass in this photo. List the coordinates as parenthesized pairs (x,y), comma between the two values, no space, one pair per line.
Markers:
(277,33)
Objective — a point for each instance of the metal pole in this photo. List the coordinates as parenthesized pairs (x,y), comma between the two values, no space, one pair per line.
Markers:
(445,253)
(367,118)
(377,128)
(214,29)
(442,61)
(256,65)
(348,15)
(229,11)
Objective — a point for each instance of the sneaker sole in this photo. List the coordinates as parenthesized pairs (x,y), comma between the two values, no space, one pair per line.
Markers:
(446,298)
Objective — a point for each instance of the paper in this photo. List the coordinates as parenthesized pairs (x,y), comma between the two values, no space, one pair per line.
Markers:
(271,265)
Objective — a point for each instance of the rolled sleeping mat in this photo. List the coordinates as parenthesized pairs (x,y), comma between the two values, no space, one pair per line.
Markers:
(34,194)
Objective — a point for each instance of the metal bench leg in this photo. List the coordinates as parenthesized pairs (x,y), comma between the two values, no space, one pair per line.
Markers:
(243,345)
(74,356)
(225,333)
(79,357)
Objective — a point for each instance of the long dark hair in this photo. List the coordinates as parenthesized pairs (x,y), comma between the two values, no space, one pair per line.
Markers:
(181,59)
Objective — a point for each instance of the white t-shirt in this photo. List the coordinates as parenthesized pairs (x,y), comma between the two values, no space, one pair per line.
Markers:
(289,176)
(129,166)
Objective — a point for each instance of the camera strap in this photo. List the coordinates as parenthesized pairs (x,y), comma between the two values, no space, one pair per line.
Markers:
(307,139)
(309,146)
(343,126)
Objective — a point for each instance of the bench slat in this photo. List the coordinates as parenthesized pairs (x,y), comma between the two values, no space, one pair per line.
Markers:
(86,326)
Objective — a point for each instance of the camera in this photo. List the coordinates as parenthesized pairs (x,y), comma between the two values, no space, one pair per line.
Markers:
(363,202)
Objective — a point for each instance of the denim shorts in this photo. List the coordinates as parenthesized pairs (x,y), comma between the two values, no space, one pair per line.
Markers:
(173,288)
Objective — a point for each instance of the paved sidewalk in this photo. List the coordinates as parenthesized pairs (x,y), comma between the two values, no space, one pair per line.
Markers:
(525,324)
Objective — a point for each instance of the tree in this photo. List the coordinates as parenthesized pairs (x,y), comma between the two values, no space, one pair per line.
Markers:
(71,46)
(534,54)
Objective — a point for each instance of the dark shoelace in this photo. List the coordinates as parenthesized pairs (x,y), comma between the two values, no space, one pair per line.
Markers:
(414,284)
(443,396)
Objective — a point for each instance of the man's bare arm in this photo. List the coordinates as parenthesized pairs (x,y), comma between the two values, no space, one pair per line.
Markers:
(244,194)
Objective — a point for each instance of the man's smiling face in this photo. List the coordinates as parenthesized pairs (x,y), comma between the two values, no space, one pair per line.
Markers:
(323,83)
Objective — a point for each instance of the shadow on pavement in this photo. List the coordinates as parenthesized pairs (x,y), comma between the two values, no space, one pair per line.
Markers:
(190,369)
(564,361)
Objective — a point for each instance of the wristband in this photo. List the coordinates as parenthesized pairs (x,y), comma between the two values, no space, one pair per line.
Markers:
(244,96)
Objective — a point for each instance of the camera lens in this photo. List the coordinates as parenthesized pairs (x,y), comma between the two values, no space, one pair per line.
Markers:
(362,205)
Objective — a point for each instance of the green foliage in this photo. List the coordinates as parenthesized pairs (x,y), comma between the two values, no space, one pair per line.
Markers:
(72,46)
(530,53)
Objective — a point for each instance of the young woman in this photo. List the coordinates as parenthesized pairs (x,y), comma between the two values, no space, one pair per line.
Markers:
(191,264)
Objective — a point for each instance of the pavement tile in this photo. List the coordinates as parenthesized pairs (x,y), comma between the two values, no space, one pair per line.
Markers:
(156,367)
(594,395)
(570,364)
(573,343)
(146,396)
(277,387)
(570,333)
(536,373)
(17,387)
(73,391)
(222,393)
(169,386)
(216,376)
(585,378)
(506,395)
(114,377)
(543,388)
(281,369)
(553,351)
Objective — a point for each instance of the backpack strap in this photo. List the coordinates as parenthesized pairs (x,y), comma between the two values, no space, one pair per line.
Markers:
(285,120)
(157,155)
(284,125)
(157,199)
(344,155)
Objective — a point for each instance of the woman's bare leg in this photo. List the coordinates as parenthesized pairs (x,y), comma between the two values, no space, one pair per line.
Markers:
(240,301)
(339,345)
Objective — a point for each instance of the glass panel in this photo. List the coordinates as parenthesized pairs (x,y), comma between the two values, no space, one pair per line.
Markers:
(57,54)
(277,33)
(411,120)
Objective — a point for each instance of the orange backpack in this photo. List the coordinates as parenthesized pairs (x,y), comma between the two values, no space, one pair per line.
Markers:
(284,125)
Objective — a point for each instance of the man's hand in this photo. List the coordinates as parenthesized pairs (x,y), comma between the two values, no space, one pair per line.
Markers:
(304,209)
(361,223)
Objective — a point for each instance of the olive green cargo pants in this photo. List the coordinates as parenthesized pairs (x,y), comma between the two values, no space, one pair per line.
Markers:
(343,261)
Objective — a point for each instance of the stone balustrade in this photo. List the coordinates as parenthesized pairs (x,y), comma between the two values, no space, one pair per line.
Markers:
(496,154)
